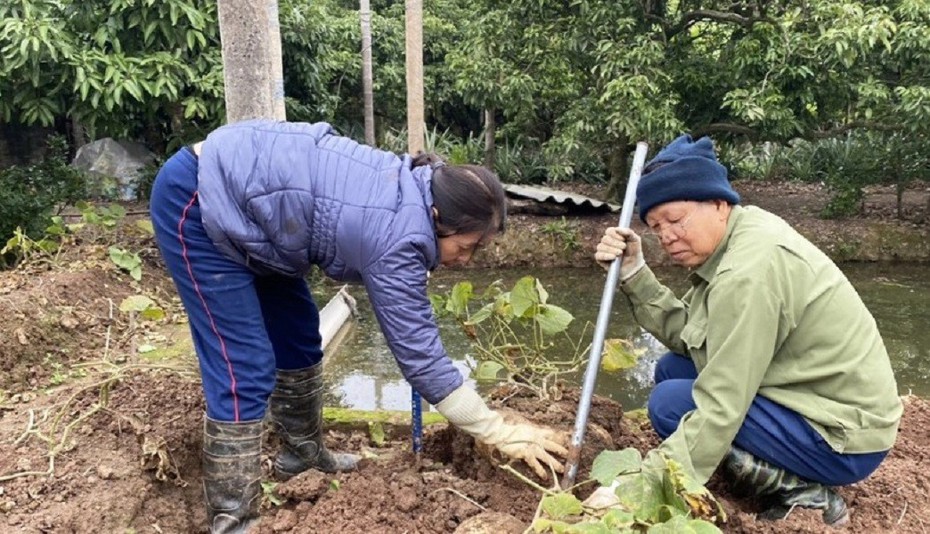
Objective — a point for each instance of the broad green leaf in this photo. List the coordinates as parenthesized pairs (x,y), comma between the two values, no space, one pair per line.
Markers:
(438,302)
(481,315)
(617,518)
(642,494)
(116,211)
(561,505)
(619,354)
(136,273)
(543,294)
(376,433)
(523,297)
(488,371)
(676,525)
(136,303)
(667,511)
(589,528)
(146,226)
(553,319)
(543,524)
(153,314)
(47,245)
(703,527)
(459,297)
(608,465)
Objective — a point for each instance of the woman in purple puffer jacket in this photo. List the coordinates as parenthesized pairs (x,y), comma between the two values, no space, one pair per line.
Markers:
(240,219)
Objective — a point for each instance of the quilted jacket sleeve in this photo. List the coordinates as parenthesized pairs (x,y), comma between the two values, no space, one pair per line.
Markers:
(396,285)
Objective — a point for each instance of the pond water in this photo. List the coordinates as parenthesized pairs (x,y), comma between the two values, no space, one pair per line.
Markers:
(362,373)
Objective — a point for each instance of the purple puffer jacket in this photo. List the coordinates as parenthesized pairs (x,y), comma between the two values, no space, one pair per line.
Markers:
(279,197)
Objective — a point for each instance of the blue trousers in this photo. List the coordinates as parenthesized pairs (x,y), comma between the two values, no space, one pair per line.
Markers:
(770,431)
(244,326)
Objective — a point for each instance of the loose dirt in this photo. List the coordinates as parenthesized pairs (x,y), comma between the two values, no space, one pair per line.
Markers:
(95,437)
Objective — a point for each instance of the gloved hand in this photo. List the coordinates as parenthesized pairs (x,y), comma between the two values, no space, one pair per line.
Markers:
(621,242)
(515,439)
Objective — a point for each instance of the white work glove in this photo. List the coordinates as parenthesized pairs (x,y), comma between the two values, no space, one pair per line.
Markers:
(619,242)
(522,440)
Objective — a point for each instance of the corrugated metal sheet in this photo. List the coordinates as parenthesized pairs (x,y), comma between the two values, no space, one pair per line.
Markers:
(545,194)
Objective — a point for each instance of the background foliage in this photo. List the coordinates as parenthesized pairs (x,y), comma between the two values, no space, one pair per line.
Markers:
(573,85)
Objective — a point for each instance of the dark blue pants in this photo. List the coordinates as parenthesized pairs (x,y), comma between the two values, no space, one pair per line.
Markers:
(771,432)
(244,326)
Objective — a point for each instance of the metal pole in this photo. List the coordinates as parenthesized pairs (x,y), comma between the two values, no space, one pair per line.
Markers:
(600,330)
(416,416)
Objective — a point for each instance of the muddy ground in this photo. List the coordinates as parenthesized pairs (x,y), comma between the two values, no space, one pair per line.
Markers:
(95,437)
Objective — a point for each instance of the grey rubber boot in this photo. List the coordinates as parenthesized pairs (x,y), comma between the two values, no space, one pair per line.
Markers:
(297,414)
(232,474)
(782,490)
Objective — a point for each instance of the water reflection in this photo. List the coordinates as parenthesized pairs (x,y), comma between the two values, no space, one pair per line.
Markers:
(363,374)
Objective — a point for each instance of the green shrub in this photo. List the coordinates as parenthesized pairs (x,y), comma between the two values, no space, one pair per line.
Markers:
(29,194)
(845,165)
(765,161)
(517,164)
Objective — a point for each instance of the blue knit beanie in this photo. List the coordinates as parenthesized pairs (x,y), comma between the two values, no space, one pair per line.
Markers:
(684,170)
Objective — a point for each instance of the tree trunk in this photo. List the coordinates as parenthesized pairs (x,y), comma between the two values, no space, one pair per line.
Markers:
(899,192)
(367,77)
(276,61)
(490,134)
(416,123)
(617,168)
(78,135)
(249,70)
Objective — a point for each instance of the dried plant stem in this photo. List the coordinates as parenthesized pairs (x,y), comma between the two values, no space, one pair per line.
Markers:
(462,495)
(529,482)
(904,511)
(114,373)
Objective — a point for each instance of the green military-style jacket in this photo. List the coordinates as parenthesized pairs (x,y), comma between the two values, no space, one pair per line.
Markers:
(770,314)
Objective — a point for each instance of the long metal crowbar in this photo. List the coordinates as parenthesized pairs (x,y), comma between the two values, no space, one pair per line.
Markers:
(600,330)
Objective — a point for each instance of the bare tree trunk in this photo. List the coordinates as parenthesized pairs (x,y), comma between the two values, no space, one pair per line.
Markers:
(416,123)
(276,61)
(899,191)
(490,134)
(249,70)
(617,163)
(367,77)
(78,135)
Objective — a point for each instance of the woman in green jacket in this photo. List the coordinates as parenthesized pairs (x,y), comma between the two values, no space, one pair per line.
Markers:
(776,370)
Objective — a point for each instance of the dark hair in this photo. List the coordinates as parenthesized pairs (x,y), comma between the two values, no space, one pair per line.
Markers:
(469,198)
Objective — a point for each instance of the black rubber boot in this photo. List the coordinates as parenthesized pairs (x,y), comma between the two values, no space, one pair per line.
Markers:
(232,474)
(297,414)
(780,490)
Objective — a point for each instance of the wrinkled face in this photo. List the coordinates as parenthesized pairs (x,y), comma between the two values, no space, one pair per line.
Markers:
(457,249)
(689,231)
